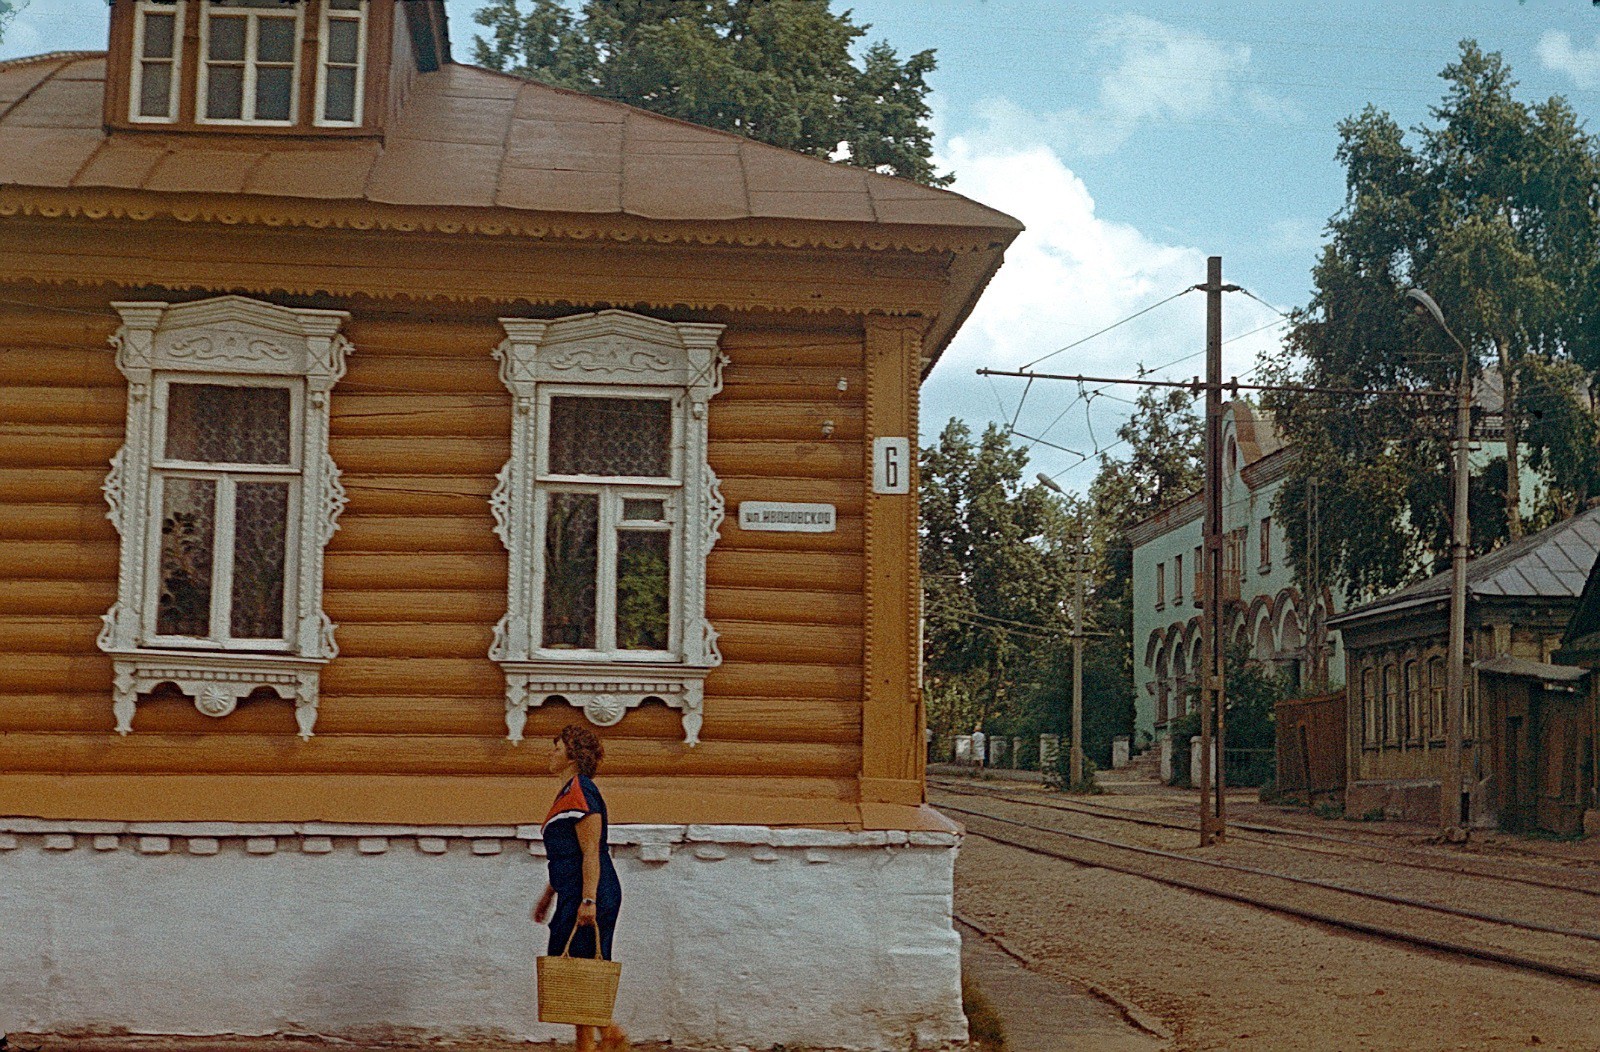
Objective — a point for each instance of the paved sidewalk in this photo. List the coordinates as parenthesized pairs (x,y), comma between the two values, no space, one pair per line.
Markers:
(1041,1014)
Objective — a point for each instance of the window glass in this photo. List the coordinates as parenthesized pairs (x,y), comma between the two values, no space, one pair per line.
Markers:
(225,93)
(649,510)
(611,436)
(188,544)
(217,424)
(155,89)
(339,101)
(643,589)
(260,544)
(344,40)
(571,561)
(274,89)
(225,39)
(158,35)
(275,40)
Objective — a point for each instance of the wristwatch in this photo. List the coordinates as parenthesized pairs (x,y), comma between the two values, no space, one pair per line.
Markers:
(588,902)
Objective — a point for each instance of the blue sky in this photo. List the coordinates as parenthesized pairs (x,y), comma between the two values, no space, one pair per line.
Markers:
(1135,139)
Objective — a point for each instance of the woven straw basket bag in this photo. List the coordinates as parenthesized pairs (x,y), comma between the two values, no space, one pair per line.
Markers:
(577,990)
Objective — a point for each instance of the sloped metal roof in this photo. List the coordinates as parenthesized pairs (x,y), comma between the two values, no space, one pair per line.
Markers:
(1551,564)
(466,137)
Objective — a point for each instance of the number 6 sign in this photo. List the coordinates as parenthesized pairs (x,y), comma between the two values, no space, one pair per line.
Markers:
(891,465)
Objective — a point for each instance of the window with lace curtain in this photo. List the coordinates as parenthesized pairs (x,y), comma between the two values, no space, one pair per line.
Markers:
(608,508)
(225,482)
(225,496)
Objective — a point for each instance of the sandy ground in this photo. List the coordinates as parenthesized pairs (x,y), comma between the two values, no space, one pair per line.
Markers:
(1227,976)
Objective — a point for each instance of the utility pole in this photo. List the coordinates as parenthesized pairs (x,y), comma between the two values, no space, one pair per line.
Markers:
(1451,824)
(1213,696)
(1077,662)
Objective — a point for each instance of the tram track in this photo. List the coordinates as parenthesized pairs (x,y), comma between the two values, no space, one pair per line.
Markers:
(1276,836)
(1151,861)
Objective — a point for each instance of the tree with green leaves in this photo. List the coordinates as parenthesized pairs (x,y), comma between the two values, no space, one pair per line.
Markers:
(8,11)
(995,572)
(779,71)
(1492,209)
(1162,466)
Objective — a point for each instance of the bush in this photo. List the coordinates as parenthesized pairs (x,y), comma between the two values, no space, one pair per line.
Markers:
(1059,776)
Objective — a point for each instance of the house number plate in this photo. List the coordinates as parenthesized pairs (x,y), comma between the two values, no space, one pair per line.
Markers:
(787,518)
(891,465)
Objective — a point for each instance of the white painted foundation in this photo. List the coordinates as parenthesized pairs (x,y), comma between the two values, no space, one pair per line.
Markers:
(730,935)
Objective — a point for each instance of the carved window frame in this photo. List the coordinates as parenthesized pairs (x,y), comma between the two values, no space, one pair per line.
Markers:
(618,354)
(229,340)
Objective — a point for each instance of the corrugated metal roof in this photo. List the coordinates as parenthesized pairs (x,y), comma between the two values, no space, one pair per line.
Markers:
(466,137)
(1551,564)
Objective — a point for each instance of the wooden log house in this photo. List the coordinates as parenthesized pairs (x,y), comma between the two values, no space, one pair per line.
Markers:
(367,418)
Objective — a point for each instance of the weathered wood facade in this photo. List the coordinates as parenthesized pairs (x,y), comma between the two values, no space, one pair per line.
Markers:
(1519,600)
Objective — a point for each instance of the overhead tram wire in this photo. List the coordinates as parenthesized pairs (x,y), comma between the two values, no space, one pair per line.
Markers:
(1108,328)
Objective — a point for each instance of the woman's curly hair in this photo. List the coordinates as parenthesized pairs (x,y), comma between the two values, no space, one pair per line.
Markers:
(583,748)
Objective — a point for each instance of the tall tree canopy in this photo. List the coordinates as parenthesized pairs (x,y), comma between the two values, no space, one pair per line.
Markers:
(1492,209)
(995,575)
(780,71)
(998,562)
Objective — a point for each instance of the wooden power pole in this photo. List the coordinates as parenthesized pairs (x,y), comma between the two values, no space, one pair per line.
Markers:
(1213,694)
(1077,661)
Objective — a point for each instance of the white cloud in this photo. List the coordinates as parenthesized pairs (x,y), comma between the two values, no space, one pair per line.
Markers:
(1071,273)
(56,25)
(1558,52)
(1153,73)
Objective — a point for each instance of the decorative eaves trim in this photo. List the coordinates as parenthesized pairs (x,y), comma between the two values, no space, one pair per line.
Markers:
(1171,517)
(248,210)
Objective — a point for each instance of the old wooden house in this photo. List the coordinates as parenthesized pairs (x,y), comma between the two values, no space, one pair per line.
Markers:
(367,417)
(1522,713)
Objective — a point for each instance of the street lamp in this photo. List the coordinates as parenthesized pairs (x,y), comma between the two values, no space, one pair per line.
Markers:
(1076,768)
(1450,817)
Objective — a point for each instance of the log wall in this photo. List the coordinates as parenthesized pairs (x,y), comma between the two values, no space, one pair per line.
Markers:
(415,577)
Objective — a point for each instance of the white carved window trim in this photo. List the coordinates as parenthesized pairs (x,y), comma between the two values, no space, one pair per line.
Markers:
(608,354)
(231,340)
(173,9)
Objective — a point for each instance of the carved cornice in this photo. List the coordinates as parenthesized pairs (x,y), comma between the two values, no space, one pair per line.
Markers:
(242,210)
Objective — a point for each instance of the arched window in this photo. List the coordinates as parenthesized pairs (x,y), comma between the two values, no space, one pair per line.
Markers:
(1436,681)
(1413,715)
(1369,707)
(1391,706)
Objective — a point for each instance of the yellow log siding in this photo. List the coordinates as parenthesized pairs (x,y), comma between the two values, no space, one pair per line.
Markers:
(416,578)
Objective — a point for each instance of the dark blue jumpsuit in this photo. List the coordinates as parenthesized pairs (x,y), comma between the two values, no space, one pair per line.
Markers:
(577,799)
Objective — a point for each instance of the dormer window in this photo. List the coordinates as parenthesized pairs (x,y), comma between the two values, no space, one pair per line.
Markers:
(271,67)
(157,54)
(344,41)
(250,61)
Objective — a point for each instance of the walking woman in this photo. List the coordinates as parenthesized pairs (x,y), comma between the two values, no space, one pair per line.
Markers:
(583,882)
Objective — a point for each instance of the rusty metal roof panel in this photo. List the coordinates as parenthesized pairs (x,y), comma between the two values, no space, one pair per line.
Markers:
(44,156)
